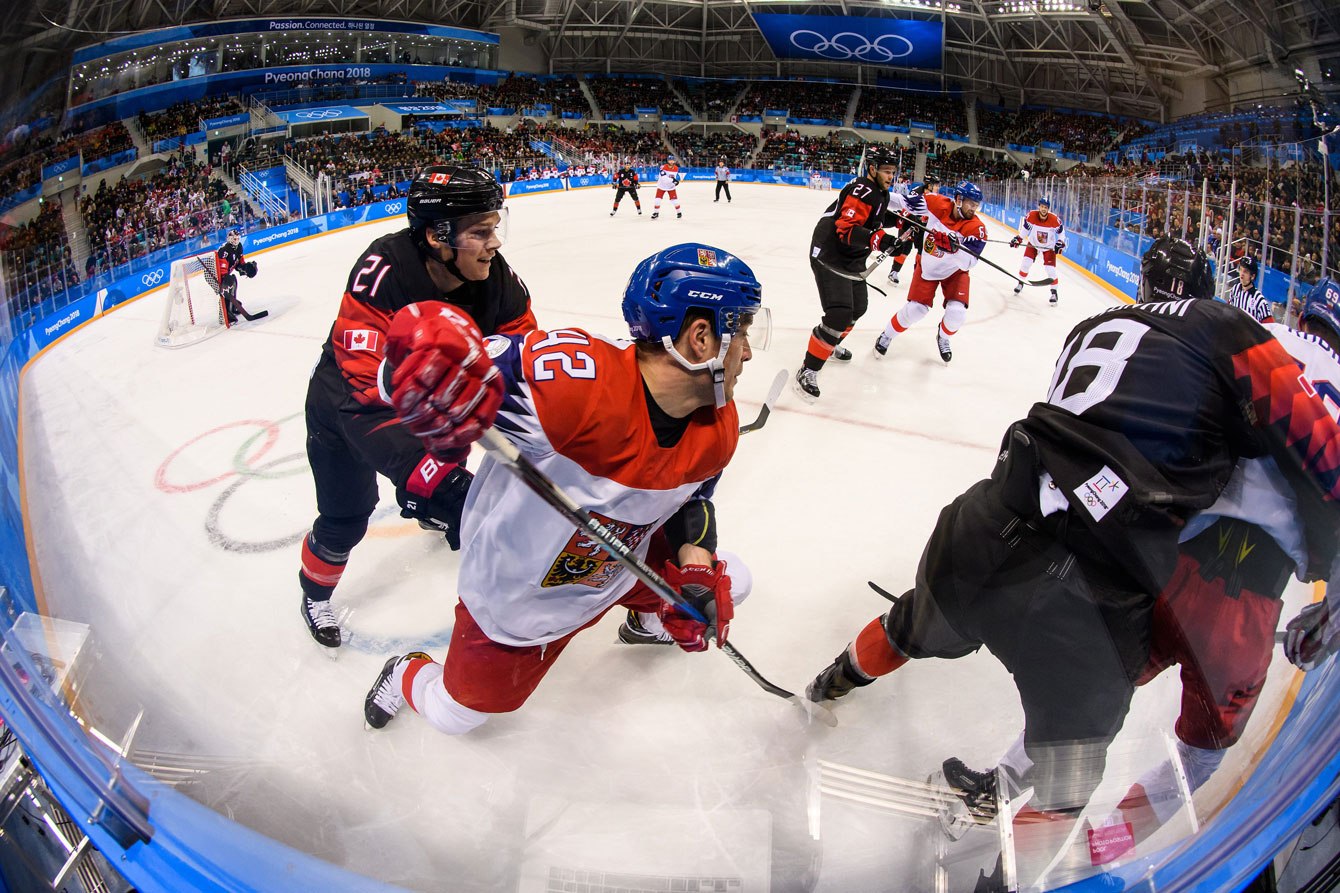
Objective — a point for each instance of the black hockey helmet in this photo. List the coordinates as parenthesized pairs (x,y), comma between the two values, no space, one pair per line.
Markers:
(442,194)
(1173,269)
(1249,263)
(931,180)
(878,154)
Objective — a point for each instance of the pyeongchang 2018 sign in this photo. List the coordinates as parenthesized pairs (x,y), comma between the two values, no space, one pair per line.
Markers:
(859,40)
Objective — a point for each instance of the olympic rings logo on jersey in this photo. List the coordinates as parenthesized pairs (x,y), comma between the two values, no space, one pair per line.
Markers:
(856,46)
(318,114)
(153,278)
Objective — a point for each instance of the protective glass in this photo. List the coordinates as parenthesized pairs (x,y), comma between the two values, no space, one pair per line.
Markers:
(756,326)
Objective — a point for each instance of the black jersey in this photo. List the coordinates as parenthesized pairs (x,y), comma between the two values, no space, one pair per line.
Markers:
(227,258)
(1149,409)
(842,235)
(390,275)
(626,178)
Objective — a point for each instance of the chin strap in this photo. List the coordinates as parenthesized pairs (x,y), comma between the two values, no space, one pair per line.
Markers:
(716,366)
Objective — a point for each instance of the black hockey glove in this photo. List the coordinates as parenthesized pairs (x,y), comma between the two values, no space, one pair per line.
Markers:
(249,268)
(435,495)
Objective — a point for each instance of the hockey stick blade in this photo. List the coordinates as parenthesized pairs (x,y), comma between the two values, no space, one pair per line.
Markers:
(252,317)
(771,400)
(506,452)
(882,591)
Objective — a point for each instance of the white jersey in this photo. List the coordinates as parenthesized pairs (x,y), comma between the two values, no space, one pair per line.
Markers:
(934,263)
(1042,234)
(576,406)
(1257,491)
(668,178)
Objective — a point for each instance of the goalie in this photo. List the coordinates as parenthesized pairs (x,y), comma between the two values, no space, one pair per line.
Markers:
(227,259)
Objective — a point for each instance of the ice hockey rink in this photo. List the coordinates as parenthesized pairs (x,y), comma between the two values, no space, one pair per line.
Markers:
(167,493)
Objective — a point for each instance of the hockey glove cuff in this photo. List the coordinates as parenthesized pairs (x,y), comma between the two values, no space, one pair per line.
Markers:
(434,495)
(882,242)
(707,591)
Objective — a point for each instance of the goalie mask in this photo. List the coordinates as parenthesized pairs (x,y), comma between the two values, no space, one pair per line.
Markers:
(665,287)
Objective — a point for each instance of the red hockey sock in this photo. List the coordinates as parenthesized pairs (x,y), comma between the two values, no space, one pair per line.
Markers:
(820,349)
(318,574)
(873,654)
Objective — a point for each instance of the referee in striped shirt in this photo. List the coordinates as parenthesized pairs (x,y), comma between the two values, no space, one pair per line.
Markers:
(1246,296)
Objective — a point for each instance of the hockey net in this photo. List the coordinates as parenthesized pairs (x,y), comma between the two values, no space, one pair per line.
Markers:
(194,309)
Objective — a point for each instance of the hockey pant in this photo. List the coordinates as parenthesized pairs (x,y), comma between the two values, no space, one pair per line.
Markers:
(722,185)
(228,293)
(1070,628)
(920,295)
(480,677)
(341,449)
(844,301)
(674,197)
(630,191)
(1216,617)
(1048,262)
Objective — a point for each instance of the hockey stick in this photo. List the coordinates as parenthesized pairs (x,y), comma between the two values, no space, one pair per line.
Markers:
(251,317)
(859,277)
(505,452)
(776,391)
(1038,282)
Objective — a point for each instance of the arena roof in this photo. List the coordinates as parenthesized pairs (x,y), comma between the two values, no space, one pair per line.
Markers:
(1130,56)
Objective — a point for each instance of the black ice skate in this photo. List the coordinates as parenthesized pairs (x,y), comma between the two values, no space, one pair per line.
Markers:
(976,789)
(655,214)
(321,622)
(836,680)
(841,354)
(806,384)
(615,211)
(942,342)
(385,698)
(882,344)
(1055,297)
(679,214)
(1019,287)
(632,632)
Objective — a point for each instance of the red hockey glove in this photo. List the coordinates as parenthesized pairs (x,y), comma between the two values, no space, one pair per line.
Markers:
(944,241)
(444,387)
(707,589)
(882,242)
(1016,241)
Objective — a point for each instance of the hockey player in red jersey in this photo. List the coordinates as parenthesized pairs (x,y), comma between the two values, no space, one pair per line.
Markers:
(1056,561)
(851,228)
(227,259)
(449,253)
(1043,231)
(950,247)
(638,430)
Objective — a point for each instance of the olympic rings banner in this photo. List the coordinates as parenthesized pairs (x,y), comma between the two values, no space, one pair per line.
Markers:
(903,43)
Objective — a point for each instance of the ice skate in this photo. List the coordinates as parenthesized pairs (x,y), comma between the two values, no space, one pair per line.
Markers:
(893,276)
(836,680)
(615,211)
(655,214)
(976,790)
(1019,287)
(321,623)
(882,344)
(841,354)
(679,214)
(639,212)
(806,384)
(632,632)
(942,342)
(385,698)
(1054,298)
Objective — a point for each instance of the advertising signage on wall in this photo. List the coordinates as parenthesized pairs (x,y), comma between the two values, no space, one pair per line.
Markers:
(861,41)
(273,26)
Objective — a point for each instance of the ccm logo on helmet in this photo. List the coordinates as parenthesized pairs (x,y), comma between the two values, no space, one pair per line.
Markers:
(695,293)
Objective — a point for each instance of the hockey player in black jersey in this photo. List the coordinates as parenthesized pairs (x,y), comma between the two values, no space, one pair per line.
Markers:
(449,253)
(227,259)
(625,182)
(850,229)
(1055,561)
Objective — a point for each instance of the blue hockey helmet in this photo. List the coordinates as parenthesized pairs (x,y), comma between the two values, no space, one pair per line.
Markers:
(1322,304)
(967,189)
(1044,201)
(692,276)
(918,187)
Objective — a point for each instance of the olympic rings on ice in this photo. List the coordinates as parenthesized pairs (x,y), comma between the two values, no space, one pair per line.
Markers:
(268,428)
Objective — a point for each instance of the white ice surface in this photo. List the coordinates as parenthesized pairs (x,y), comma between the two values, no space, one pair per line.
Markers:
(186,570)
